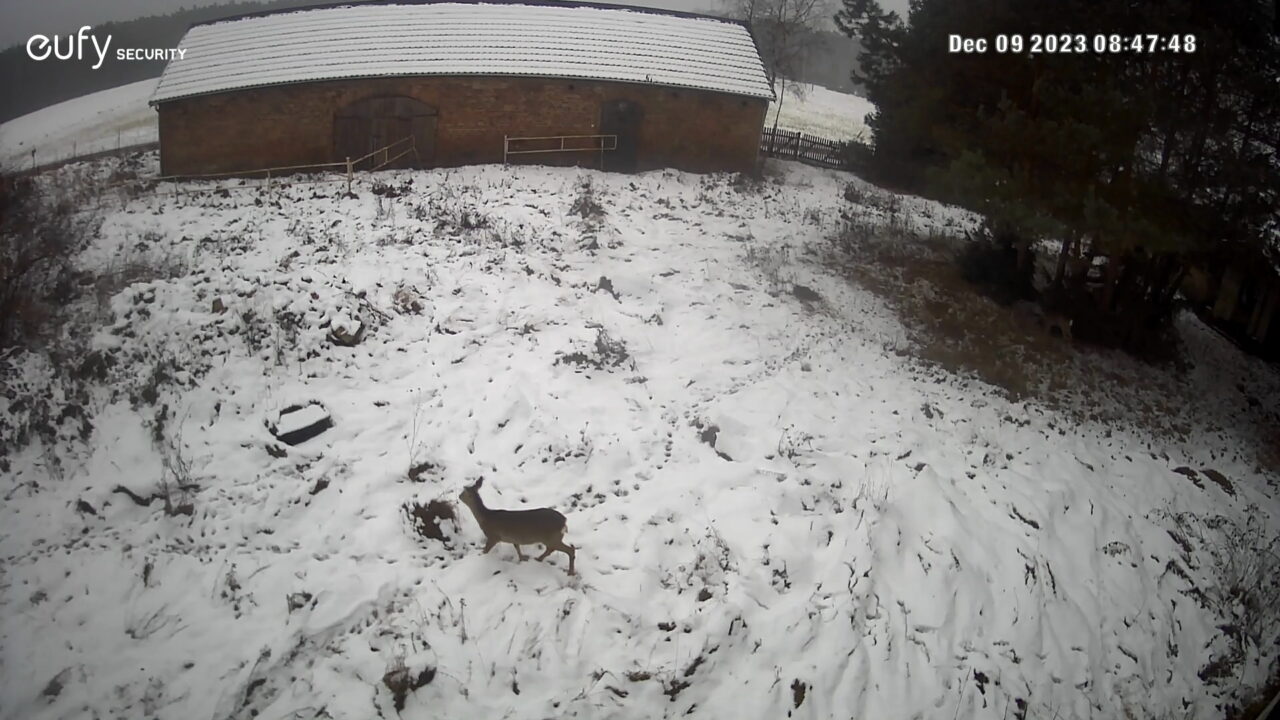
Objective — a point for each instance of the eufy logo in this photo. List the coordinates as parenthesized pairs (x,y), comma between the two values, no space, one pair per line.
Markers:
(73,47)
(40,47)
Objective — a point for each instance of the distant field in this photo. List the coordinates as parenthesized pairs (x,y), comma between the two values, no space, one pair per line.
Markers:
(819,111)
(87,124)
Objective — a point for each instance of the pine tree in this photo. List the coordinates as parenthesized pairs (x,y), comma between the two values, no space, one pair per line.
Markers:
(1149,159)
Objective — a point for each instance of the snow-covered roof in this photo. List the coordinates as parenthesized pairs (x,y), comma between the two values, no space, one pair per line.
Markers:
(542,40)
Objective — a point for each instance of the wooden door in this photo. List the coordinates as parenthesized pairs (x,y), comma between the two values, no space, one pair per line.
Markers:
(622,118)
(371,124)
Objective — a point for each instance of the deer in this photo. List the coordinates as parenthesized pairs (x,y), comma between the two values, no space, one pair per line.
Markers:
(519,527)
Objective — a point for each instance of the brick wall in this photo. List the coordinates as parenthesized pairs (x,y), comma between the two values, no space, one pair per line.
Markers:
(293,124)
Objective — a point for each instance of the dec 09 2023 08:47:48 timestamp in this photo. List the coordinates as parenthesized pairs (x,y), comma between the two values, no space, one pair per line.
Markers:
(1073,43)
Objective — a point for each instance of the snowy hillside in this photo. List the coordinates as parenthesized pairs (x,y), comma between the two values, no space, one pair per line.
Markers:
(81,126)
(778,509)
(822,112)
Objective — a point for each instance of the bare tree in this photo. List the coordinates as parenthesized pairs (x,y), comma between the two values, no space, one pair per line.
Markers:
(784,31)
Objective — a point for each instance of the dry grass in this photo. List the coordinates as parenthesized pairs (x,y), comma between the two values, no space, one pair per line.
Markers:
(951,325)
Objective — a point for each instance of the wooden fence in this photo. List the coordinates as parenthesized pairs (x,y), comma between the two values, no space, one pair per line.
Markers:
(73,157)
(811,149)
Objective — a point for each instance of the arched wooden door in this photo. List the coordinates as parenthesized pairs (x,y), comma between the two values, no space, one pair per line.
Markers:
(373,123)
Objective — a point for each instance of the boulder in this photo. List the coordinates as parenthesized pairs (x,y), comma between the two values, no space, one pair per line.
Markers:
(346,331)
(299,423)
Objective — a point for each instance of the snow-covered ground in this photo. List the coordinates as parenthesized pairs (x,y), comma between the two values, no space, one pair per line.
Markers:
(777,509)
(88,124)
(822,112)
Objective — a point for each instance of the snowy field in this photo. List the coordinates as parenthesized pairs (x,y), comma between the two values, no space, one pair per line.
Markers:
(822,112)
(778,510)
(81,126)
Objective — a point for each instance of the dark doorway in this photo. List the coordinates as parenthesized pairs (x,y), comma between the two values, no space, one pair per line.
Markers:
(374,123)
(621,118)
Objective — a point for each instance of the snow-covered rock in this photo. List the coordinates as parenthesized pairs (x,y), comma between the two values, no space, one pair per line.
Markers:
(299,423)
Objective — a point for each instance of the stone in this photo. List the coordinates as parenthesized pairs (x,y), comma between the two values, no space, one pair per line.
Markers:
(299,423)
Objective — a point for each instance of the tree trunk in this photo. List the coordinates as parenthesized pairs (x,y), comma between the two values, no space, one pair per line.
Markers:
(1115,276)
(1024,255)
(1060,271)
(777,113)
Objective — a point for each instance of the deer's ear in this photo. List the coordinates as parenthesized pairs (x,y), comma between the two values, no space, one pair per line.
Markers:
(479,482)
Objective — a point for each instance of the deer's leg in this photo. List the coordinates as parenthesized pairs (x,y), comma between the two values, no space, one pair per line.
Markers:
(489,543)
(569,550)
(518,553)
(549,547)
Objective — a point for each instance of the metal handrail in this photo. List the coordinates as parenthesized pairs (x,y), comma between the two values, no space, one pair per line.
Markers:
(240,173)
(349,165)
(385,148)
(600,148)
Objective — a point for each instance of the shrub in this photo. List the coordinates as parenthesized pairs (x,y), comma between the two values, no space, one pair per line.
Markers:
(857,157)
(425,520)
(587,203)
(609,352)
(990,261)
(40,235)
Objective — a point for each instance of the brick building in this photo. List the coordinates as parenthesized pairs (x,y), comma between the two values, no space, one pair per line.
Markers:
(626,88)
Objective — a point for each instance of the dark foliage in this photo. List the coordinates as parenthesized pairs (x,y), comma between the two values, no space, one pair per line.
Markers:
(990,262)
(39,237)
(1152,157)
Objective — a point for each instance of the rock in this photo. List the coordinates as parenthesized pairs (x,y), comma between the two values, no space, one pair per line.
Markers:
(219,306)
(606,285)
(298,600)
(299,423)
(1190,475)
(346,331)
(1220,480)
(55,686)
(402,680)
(805,294)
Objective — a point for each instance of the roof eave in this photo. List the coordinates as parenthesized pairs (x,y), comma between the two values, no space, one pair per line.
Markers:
(157,101)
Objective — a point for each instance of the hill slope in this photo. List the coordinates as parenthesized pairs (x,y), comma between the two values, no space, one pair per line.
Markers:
(99,121)
(29,85)
(777,509)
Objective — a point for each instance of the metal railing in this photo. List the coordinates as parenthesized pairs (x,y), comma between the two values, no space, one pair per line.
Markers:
(139,186)
(377,159)
(599,143)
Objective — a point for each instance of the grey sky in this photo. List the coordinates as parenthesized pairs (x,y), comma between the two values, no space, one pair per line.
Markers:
(20,19)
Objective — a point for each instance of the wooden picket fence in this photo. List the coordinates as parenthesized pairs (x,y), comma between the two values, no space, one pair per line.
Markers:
(811,149)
